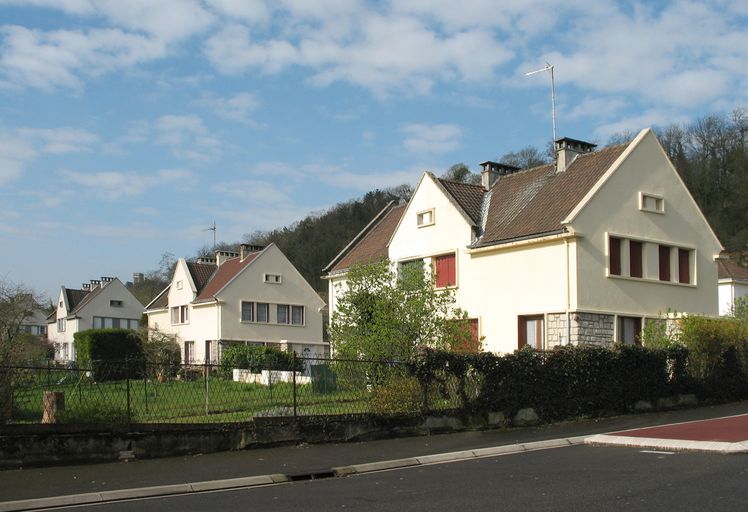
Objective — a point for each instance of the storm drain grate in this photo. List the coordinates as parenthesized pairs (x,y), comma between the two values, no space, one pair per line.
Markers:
(316,475)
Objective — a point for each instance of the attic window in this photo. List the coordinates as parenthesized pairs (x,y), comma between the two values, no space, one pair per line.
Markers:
(115,303)
(651,203)
(179,285)
(425,218)
(272,278)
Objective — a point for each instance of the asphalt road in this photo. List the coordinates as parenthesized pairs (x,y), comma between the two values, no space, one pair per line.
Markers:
(574,478)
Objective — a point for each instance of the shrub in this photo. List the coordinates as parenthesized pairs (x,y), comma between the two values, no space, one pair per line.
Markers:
(257,358)
(107,350)
(708,338)
(399,394)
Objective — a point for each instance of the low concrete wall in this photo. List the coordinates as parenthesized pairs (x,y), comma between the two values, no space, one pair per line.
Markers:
(36,445)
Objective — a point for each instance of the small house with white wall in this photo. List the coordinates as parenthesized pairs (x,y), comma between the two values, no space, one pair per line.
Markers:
(733,284)
(101,304)
(255,296)
(586,249)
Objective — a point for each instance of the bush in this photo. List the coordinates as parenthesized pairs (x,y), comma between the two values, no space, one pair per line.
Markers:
(707,339)
(257,358)
(399,394)
(106,351)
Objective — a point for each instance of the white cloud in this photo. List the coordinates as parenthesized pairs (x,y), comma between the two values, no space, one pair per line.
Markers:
(187,136)
(255,191)
(15,153)
(251,11)
(233,108)
(431,139)
(60,140)
(117,185)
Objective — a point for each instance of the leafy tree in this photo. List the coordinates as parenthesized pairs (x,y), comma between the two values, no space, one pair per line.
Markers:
(388,314)
(461,173)
(17,303)
(526,158)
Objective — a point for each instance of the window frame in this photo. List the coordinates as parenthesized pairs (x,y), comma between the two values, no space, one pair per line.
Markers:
(451,270)
(258,307)
(422,221)
(287,314)
(636,259)
(615,244)
(294,308)
(251,310)
(638,324)
(522,321)
(271,278)
(659,203)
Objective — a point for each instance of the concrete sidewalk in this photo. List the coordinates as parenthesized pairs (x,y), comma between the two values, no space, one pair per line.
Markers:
(289,463)
(724,435)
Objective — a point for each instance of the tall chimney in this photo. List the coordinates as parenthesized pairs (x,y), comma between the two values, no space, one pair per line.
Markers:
(567,150)
(223,256)
(492,171)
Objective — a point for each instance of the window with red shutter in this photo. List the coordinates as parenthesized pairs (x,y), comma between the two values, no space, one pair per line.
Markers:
(445,271)
(614,249)
(684,266)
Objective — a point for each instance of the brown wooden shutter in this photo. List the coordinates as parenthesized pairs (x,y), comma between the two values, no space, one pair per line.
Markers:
(664,263)
(614,249)
(635,258)
(684,266)
(445,271)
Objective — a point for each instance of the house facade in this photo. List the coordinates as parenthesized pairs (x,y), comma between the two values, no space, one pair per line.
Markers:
(584,250)
(100,304)
(256,297)
(733,284)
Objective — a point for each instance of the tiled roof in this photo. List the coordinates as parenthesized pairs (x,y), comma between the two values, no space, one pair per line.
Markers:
(161,301)
(75,297)
(201,273)
(468,196)
(730,270)
(372,246)
(223,274)
(535,201)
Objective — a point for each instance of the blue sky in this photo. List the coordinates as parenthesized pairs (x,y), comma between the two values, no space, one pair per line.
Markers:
(126,128)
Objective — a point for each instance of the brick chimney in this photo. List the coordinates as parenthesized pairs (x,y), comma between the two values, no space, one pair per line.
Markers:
(247,249)
(567,150)
(223,256)
(492,171)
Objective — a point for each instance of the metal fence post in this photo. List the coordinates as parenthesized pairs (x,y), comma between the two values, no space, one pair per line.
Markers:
(293,372)
(49,374)
(127,377)
(145,384)
(205,378)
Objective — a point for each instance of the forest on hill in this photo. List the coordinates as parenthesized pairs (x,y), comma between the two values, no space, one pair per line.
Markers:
(710,155)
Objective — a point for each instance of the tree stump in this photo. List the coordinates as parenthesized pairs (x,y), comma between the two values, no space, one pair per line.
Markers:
(53,402)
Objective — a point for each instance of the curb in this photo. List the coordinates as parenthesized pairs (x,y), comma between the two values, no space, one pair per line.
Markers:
(256,481)
(668,444)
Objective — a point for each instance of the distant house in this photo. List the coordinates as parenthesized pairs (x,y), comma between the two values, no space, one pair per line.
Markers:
(583,250)
(100,304)
(733,284)
(35,323)
(254,297)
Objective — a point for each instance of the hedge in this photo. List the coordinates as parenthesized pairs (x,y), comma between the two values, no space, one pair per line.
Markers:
(112,354)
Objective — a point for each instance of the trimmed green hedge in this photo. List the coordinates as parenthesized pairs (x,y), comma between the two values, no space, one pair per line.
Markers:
(106,352)
(257,358)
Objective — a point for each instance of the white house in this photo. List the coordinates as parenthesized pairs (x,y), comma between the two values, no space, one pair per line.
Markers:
(733,284)
(100,304)
(256,296)
(583,250)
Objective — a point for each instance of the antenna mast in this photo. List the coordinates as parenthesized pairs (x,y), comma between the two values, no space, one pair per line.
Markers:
(549,67)
(213,229)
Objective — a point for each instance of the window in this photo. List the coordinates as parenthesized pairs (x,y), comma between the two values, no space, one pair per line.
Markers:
(635,258)
(445,271)
(664,257)
(115,303)
(684,266)
(272,278)
(180,315)
(297,315)
(651,203)
(263,312)
(614,250)
(425,218)
(189,352)
(531,331)
(60,325)
(248,311)
(282,314)
(179,285)
(629,330)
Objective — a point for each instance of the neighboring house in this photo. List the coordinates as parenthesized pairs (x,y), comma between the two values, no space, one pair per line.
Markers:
(733,284)
(256,296)
(100,304)
(35,323)
(586,249)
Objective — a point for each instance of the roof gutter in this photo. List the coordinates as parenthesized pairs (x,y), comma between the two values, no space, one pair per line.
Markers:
(524,241)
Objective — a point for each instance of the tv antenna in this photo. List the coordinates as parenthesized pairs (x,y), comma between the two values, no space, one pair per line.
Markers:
(549,67)
(213,229)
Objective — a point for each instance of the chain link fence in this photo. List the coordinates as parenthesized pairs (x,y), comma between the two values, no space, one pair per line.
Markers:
(127,392)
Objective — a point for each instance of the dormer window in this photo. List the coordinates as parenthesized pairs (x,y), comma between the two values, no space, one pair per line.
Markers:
(425,218)
(651,203)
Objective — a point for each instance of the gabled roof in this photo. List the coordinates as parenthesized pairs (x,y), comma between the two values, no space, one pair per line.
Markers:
(535,201)
(469,197)
(730,270)
(371,243)
(74,297)
(161,301)
(221,275)
(201,273)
